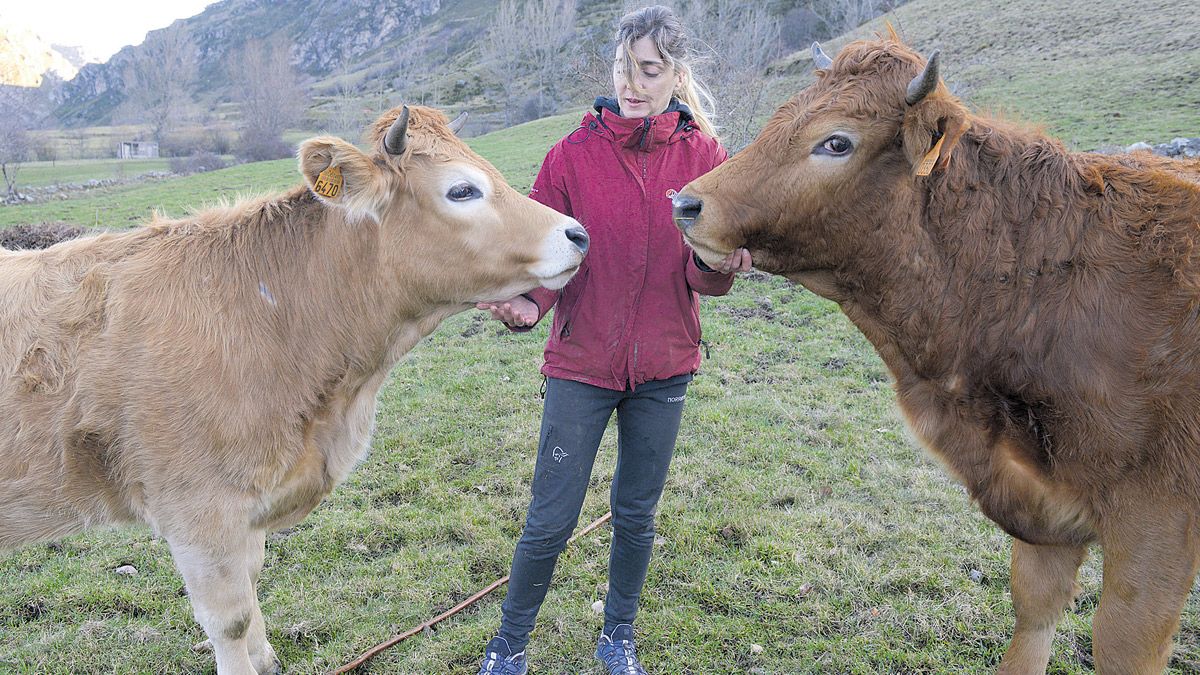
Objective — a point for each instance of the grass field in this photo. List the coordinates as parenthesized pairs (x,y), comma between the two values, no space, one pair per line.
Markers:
(38,174)
(799,516)
(1092,73)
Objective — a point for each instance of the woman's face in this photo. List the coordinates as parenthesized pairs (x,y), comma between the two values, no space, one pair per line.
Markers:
(655,81)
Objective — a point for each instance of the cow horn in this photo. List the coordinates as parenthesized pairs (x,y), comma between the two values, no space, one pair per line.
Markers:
(459,122)
(924,83)
(397,134)
(820,58)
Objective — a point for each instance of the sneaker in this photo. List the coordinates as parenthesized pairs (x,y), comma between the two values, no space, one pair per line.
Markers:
(618,653)
(498,659)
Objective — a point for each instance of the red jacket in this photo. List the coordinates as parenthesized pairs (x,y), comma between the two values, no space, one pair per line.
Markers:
(631,313)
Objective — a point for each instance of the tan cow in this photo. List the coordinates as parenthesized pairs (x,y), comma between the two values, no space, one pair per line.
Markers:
(1038,309)
(215,376)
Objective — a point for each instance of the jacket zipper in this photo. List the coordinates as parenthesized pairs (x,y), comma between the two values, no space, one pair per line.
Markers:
(644,160)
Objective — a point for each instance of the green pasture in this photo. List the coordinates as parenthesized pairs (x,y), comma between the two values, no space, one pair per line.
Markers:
(40,174)
(800,518)
(1092,73)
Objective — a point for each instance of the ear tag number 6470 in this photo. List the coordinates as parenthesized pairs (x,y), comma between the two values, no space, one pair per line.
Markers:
(329,182)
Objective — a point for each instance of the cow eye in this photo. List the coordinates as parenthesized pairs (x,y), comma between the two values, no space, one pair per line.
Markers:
(462,192)
(836,145)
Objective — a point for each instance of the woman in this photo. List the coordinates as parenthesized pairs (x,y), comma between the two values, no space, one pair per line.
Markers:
(626,330)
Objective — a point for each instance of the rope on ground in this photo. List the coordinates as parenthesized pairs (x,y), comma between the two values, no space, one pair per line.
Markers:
(374,651)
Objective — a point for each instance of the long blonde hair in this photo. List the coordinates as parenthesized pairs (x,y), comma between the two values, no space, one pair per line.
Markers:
(665,29)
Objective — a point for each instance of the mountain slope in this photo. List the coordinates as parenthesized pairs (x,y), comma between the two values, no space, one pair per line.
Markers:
(323,38)
(1092,72)
(25,58)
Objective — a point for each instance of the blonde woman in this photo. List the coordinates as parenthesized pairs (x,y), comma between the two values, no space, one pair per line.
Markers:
(626,330)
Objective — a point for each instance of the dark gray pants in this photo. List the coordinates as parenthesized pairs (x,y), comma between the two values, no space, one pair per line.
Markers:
(573,423)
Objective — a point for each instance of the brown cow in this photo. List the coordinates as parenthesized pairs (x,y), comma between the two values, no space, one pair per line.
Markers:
(216,376)
(1038,309)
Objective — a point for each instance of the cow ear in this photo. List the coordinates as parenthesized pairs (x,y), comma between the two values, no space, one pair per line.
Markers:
(341,176)
(931,130)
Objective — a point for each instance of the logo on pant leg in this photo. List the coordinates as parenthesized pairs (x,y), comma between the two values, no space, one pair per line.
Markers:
(558,453)
(676,399)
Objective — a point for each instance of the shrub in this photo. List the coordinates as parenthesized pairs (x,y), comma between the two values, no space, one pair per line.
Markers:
(180,144)
(198,162)
(258,148)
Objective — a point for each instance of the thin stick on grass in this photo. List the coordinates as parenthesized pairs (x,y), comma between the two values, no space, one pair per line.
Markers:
(374,651)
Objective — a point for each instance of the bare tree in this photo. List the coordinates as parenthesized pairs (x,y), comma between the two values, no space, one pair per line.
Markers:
(77,141)
(348,112)
(503,54)
(14,150)
(590,63)
(158,77)
(269,94)
(736,41)
(403,71)
(841,16)
(45,149)
(525,45)
(549,30)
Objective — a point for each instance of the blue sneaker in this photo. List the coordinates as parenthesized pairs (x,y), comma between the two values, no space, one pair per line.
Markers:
(498,659)
(618,653)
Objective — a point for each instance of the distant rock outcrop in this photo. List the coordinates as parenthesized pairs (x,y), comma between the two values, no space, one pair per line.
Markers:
(1179,147)
(25,58)
(324,38)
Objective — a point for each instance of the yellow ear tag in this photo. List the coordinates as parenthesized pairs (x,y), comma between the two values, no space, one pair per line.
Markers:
(329,182)
(926,166)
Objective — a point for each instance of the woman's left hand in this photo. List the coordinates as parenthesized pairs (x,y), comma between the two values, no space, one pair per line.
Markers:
(738,261)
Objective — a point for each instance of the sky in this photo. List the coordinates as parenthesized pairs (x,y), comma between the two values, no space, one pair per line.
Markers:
(101,28)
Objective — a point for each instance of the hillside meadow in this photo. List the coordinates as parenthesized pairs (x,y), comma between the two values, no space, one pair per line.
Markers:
(802,531)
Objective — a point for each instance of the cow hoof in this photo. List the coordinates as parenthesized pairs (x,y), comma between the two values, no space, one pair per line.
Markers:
(266,663)
(205,647)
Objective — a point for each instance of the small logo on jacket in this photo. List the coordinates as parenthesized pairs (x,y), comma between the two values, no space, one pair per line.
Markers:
(671,194)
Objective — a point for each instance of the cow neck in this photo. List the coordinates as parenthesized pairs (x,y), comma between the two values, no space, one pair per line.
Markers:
(322,275)
(901,296)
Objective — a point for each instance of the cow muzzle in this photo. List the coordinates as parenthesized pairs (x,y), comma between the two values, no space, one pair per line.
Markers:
(685,209)
(562,253)
(579,237)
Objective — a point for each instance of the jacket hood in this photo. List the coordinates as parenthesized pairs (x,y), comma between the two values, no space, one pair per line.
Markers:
(642,133)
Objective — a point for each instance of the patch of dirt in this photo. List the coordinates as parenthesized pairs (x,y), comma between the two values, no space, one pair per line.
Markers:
(31,611)
(755,275)
(734,535)
(477,326)
(741,314)
(38,236)
(834,364)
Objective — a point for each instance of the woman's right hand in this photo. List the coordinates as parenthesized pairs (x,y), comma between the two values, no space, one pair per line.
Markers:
(518,312)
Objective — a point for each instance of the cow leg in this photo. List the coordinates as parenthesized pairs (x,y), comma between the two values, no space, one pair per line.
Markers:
(1150,562)
(262,654)
(216,567)
(1043,585)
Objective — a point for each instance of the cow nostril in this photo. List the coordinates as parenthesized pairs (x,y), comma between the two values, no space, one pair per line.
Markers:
(686,209)
(579,237)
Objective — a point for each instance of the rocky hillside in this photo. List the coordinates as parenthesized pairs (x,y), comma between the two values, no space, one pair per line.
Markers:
(26,58)
(324,38)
